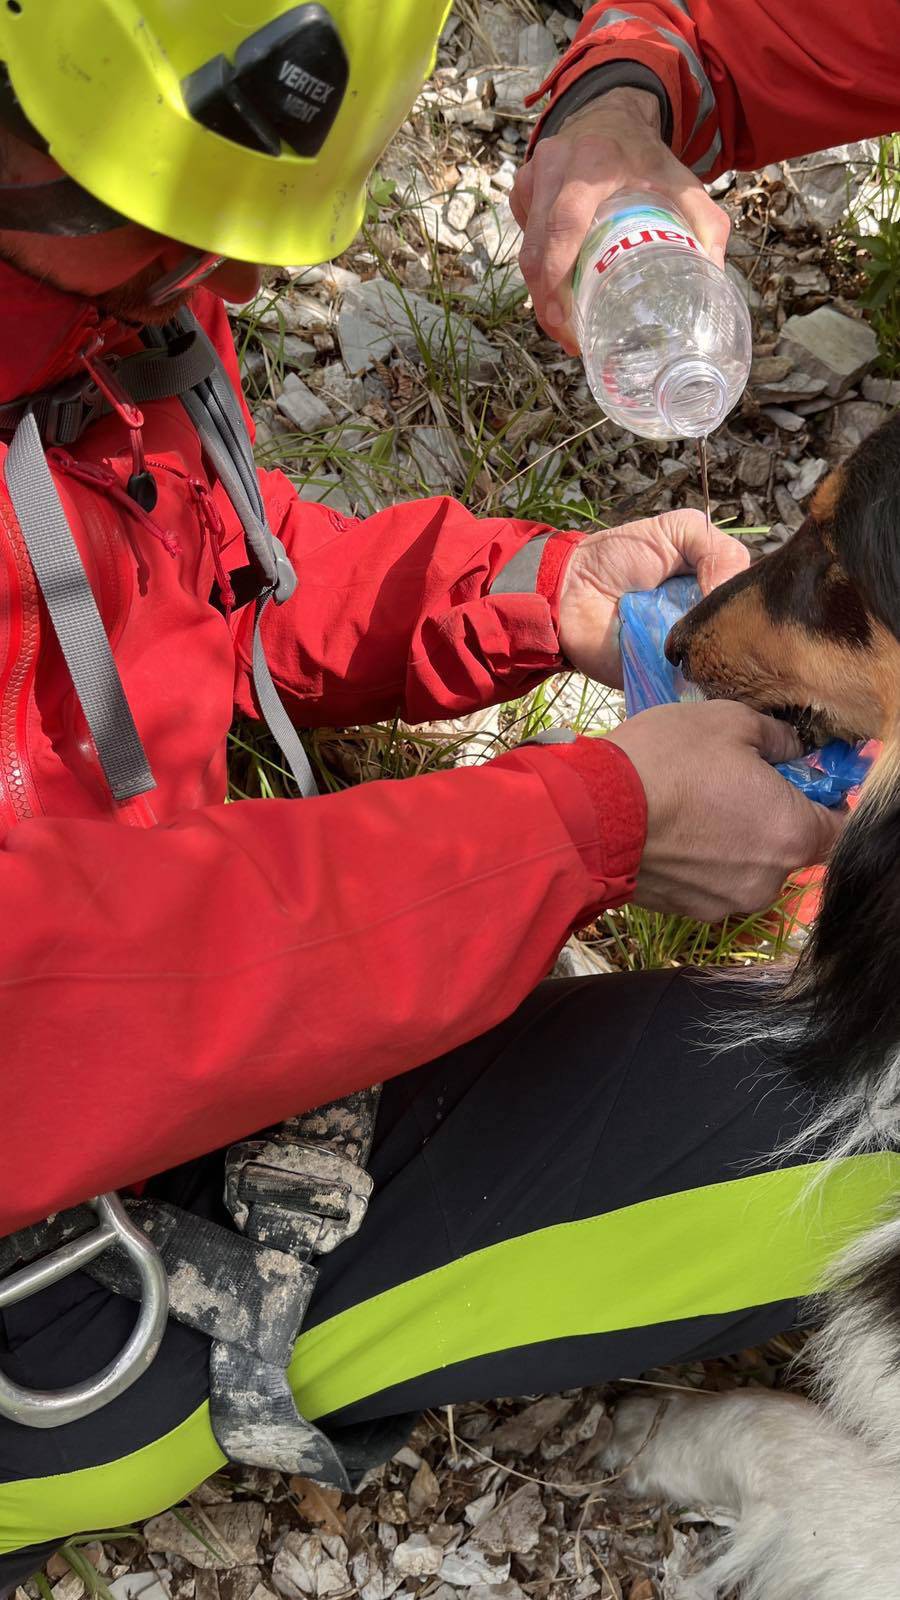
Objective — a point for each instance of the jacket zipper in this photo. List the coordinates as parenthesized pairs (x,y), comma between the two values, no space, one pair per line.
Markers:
(18,793)
(18,798)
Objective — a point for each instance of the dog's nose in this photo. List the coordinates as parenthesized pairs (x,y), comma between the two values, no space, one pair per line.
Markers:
(674,649)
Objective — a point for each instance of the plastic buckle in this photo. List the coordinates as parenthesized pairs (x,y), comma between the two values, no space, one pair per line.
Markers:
(285,577)
(81,390)
(50,1408)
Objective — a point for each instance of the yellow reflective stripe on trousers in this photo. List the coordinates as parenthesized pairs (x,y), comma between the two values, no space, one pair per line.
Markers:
(698,1253)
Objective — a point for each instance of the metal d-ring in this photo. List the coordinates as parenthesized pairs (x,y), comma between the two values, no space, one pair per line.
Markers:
(50,1408)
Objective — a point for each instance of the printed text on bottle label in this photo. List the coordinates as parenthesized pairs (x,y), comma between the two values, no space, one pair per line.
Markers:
(636,237)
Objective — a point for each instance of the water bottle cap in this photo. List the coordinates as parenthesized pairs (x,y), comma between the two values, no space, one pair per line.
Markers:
(692,397)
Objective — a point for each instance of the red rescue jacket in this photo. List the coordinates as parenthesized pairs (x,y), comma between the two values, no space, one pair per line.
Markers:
(167,988)
(752,81)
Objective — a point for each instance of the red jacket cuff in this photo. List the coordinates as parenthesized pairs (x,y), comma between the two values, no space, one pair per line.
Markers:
(601,800)
(584,55)
(662,39)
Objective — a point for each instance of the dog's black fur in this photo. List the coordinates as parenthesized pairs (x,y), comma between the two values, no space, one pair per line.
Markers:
(833,592)
(812,633)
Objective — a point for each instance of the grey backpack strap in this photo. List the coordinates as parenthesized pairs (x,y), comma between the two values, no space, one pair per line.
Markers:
(73,611)
(215,411)
(276,718)
(279,583)
(224,408)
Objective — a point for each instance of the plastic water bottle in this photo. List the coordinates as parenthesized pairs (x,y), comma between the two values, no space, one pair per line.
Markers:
(665,336)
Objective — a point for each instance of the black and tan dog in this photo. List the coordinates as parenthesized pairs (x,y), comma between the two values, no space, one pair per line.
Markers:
(812,634)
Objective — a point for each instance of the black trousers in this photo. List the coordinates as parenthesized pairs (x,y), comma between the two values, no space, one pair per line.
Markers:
(580,1194)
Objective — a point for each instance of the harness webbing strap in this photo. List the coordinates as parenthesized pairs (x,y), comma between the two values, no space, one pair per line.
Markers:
(73,611)
(60,418)
(164,374)
(295,1192)
(254,1417)
(223,1284)
(301,1189)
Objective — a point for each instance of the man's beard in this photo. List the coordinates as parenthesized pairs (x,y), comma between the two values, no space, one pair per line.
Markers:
(129,302)
(132,302)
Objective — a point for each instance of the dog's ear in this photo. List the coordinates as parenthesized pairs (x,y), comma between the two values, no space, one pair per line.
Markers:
(858,511)
(823,504)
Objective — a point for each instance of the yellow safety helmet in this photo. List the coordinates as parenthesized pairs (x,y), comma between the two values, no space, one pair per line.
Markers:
(245,128)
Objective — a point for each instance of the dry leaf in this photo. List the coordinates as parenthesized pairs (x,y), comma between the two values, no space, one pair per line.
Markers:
(424,1491)
(357,1519)
(542,1564)
(378,412)
(478,1508)
(69,1587)
(523,1431)
(509,1590)
(133,1586)
(241,1583)
(416,1557)
(392,1506)
(685,1576)
(223,1536)
(469,1566)
(310,1565)
(317,1505)
(515,1525)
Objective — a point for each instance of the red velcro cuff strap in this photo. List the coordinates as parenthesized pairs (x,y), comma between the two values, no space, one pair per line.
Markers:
(601,800)
(554,565)
(617,796)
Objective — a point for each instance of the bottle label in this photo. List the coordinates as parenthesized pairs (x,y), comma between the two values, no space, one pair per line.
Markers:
(629,230)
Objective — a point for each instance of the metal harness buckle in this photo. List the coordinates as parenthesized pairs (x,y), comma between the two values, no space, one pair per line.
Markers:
(296,1194)
(48,1408)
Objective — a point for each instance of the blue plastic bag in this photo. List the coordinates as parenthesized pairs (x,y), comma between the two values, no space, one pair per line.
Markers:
(827,775)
